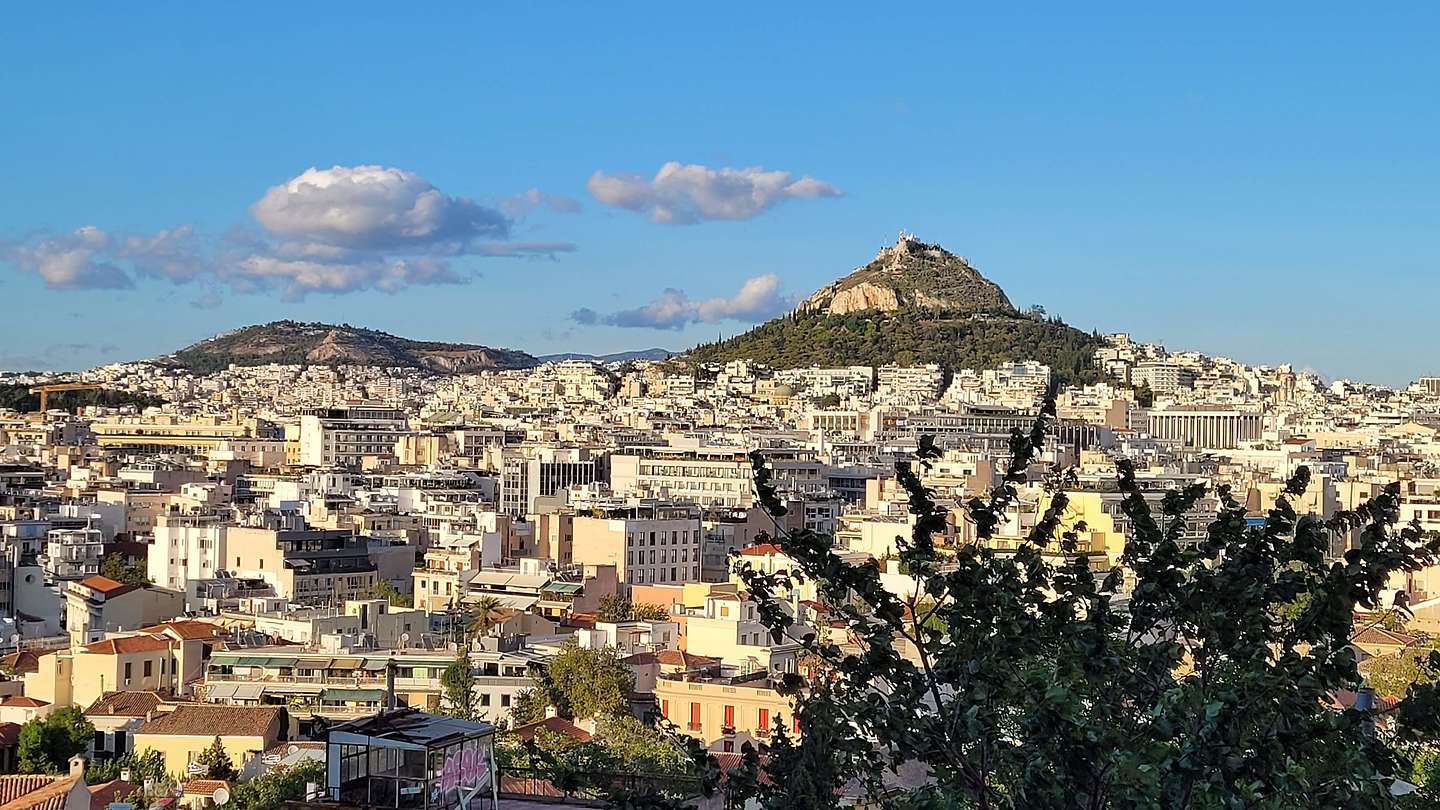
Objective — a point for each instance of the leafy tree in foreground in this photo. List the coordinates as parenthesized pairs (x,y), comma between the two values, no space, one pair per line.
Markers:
(386,590)
(47,743)
(1044,687)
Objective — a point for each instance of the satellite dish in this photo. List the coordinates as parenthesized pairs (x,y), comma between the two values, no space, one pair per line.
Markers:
(404,639)
(220,796)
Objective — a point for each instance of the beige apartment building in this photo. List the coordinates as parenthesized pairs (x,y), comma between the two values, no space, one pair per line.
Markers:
(646,544)
(99,605)
(725,713)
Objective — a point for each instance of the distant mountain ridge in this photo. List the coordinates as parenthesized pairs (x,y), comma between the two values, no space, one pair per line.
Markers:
(299,343)
(613,357)
(914,303)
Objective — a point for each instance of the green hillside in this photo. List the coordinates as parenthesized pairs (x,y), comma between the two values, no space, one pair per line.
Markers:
(911,337)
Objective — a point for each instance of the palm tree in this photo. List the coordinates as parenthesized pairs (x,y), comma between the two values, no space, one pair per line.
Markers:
(484,615)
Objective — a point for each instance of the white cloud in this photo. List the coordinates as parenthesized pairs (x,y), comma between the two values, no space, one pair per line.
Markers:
(759,298)
(298,277)
(336,231)
(685,194)
(172,253)
(375,208)
(74,261)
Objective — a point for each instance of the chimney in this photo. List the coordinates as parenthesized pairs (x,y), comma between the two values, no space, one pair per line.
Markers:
(551,711)
(77,765)
(390,703)
(124,774)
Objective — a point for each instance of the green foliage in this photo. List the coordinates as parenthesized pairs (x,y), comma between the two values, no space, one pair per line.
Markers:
(115,567)
(953,340)
(384,590)
(1394,674)
(17,396)
(268,790)
(529,706)
(1144,397)
(458,681)
(483,616)
(217,762)
(582,682)
(47,743)
(616,608)
(1041,688)
(149,764)
(621,745)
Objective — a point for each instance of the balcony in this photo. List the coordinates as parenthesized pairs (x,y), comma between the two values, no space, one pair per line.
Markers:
(727,729)
(693,726)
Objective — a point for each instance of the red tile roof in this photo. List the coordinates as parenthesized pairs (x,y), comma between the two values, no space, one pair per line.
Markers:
(680,658)
(105,793)
(106,585)
(558,725)
(204,787)
(189,629)
(24,661)
(24,702)
(125,704)
(129,644)
(34,792)
(210,720)
(761,550)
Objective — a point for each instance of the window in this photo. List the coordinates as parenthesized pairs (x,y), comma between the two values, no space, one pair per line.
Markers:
(149,666)
(128,667)
(764,720)
(485,699)
(694,716)
(505,701)
(730,717)
(795,722)
(665,709)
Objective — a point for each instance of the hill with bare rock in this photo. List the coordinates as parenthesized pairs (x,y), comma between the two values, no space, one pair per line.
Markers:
(297,343)
(914,303)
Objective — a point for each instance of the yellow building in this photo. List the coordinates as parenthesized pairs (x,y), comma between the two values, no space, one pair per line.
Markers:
(724,713)
(180,735)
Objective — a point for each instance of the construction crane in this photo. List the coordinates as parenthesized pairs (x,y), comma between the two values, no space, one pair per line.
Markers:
(45,390)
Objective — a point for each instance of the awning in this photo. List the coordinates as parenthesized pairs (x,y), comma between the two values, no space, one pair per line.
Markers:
(249,691)
(376,664)
(346,663)
(564,587)
(220,691)
(353,694)
(281,662)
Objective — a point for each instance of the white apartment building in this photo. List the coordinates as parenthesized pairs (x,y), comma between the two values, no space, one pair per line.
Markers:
(72,554)
(348,434)
(188,549)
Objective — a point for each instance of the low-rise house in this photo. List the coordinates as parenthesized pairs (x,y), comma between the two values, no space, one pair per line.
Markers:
(21,709)
(98,605)
(117,715)
(181,734)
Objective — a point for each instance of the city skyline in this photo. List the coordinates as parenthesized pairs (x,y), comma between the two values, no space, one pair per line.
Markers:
(606,187)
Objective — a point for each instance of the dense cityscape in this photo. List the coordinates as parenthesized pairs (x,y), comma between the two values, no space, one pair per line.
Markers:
(748,407)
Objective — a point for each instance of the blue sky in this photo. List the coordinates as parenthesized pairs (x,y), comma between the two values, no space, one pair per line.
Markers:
(1254,184)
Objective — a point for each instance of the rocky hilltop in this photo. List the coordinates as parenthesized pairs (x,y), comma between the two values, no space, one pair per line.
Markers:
(910,273)
(914,303)
(295,342)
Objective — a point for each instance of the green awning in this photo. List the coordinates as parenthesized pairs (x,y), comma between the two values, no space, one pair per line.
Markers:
(338,695)
(375,664)
(281,662)
(564,587)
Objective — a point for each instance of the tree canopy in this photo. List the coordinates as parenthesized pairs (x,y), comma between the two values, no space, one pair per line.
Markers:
(47,743)
(582,682)
(1046,686)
